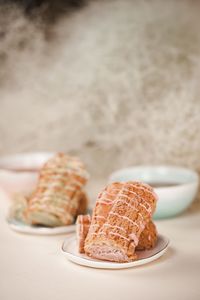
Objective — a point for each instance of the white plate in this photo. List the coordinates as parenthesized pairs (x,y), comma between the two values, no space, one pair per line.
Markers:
(39,230)
(70,251)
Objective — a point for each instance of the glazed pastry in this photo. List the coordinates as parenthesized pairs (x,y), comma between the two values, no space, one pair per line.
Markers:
(148,237)
(121,213)
(82,226)
(19,206)
(102,208)
(56,199)
(147,240)
(100,213)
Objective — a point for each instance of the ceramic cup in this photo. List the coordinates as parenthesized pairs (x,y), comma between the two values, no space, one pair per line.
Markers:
(19,172)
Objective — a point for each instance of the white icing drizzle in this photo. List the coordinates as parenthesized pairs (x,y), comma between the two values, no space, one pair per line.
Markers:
(133,203)
(148,188)
(63,171)
(105,199)
(141,188)
(117,234)
(125,218)
(59,175)
(141,216)
(134,237)
(147,209)
(104,202)
(127,196)
(59,201)
(49,208)
(112,194)
(57,185)
(114,226)
(127,203)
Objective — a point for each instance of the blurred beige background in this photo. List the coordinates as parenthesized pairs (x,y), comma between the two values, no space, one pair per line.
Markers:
(117,83)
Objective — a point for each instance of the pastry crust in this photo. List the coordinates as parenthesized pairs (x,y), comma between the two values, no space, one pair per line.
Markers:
(56,199)
(121,213)
(83,203)
(148,237)
(82,226)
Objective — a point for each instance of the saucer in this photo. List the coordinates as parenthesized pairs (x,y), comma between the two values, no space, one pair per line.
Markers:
(21,227)
(70,251)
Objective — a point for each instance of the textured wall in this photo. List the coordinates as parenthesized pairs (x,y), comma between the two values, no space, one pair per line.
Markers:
(116,82)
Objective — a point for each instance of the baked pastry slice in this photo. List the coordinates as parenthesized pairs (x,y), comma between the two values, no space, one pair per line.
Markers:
(147,240)
(121,213)
(148,237)
(102,208)
(56,199)
(100,212)
(82,227)
(82,203)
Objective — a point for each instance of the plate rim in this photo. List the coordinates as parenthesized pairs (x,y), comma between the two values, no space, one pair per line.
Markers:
(29,229)
(98,264)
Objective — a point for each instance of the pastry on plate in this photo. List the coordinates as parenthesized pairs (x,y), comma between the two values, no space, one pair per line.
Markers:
(83,203)
(59,195)
(147,239)
(82,227)
(18,207)
(121,213)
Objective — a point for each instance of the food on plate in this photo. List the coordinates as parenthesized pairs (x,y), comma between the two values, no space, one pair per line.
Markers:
(59,196)
(121,217)
(147,239)
(82,226)
(83,203)
(18,207)
(56,199)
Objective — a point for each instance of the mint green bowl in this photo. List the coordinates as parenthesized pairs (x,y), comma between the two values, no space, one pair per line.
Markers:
(173,199)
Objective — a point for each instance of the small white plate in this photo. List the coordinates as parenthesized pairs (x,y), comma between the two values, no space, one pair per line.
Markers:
(70,251)
(39,230)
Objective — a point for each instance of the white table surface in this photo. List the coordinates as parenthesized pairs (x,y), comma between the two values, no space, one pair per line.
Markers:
(33,267)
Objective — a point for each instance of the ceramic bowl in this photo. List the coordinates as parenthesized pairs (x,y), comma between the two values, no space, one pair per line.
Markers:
(176,186)
(19,172)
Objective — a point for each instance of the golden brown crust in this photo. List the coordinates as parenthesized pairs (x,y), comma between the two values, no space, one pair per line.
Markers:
(83,203)
(148,237)
(82,226)
(147,240)
(121,213)
(102,208)
(58,191)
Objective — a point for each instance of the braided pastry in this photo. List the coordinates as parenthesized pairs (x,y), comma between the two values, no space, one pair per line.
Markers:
(121,213)
(58,196)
